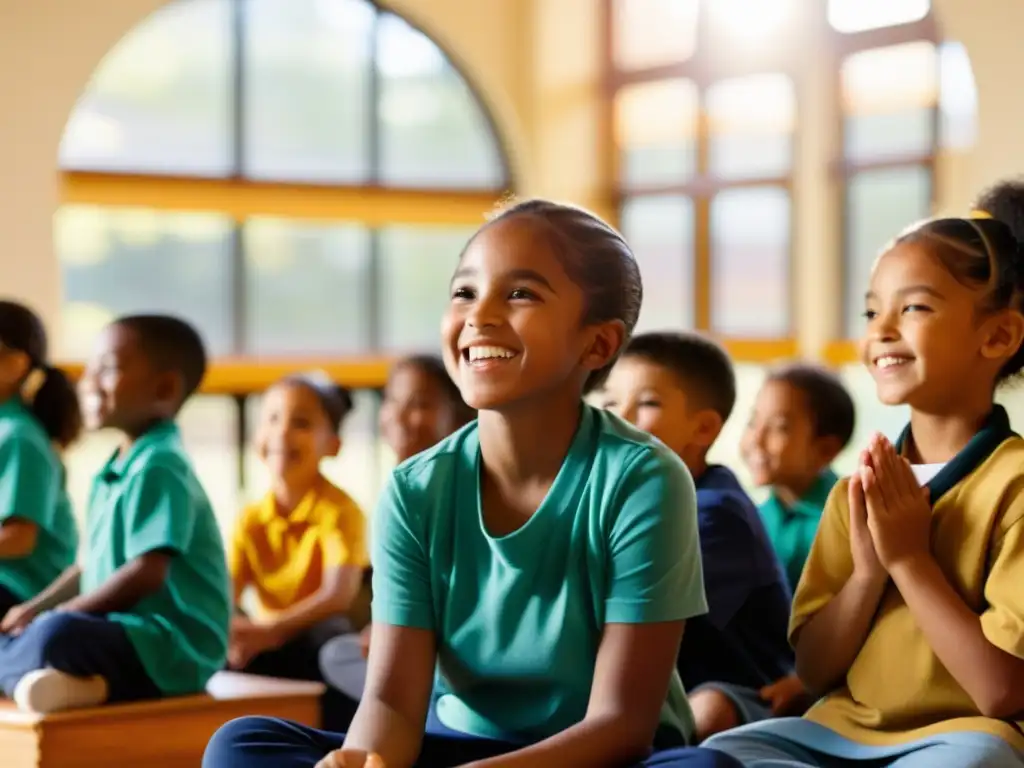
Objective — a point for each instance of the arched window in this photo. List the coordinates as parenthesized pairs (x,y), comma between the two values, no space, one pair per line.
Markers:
(709,102)
(297,177)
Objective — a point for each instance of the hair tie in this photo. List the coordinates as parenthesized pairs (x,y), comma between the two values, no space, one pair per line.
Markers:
(32,384)
(980,214)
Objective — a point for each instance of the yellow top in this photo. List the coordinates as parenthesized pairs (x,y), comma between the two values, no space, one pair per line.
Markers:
(283,555)
(897,690)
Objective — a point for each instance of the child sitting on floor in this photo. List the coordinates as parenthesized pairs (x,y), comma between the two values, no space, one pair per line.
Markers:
(38,412)
(302,548)
(147,614)
(908,618)
(681,388)
(534,572)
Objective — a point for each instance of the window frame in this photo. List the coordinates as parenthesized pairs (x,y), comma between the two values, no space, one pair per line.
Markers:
(843,350)
(704,71)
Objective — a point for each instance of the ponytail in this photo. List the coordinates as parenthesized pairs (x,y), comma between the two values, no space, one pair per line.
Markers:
(55,404)
(45,390)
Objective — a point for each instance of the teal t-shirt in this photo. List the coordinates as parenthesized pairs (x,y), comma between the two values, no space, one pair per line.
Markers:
(147,500)
(792,529)
(518,618)
(32,488)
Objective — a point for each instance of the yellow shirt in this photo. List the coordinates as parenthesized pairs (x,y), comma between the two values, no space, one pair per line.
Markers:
(897,690)
(283,555)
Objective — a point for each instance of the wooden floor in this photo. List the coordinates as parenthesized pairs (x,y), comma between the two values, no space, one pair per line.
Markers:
(171,733)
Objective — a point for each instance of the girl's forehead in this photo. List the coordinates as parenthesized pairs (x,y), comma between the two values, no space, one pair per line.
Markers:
(290,395)
(913,264)
(522,242)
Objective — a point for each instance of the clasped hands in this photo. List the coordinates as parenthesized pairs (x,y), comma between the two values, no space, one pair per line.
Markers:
(890,512)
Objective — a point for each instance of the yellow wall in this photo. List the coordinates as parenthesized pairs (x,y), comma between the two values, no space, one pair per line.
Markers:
(537,64)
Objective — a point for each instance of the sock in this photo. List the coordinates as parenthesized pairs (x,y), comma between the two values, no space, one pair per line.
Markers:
(49,690)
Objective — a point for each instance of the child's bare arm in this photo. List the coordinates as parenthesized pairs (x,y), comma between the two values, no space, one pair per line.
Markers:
(129,584)
(65,587)
(631,680)
(338,589)
(17,537)
(393,710)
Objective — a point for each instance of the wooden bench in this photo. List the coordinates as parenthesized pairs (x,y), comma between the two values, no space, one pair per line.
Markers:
(170,733)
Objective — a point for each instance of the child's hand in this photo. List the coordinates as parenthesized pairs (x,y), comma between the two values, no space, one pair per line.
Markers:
(899,512)
(866,564)
(249,640)
(17,618)
(351,758)
(787,696)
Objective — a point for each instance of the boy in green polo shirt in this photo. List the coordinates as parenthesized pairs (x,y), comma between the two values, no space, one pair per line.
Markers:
(803,417)
(147,613)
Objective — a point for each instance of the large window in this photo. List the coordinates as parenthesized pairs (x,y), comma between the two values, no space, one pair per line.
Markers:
(734,122)
(706,101)
(298,181)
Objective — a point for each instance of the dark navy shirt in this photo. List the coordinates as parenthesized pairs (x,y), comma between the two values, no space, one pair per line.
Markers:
(742,639)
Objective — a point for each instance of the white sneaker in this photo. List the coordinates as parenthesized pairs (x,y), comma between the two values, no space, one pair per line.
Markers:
(49,690)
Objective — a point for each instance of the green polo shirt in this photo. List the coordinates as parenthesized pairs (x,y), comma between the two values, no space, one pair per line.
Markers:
(32,489)
(792,529)
(148,500)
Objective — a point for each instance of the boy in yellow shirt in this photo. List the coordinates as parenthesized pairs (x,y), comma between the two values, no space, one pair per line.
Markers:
(302,548)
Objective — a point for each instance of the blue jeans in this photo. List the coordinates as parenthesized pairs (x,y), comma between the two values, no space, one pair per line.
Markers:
(798,743)
(79,644)
(266,742)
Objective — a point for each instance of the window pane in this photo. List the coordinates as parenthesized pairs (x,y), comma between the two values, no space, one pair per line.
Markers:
(306,288)
(958,98)
(415,268)
(155,105)
(746,27)
(659,228)
(889,98)
(879,205)
(209,428)
(307,89)
(750,236)
(651,33)
(120,261)
(656,132)
(356,469)
(859,15)
(751,122)
(433,130)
